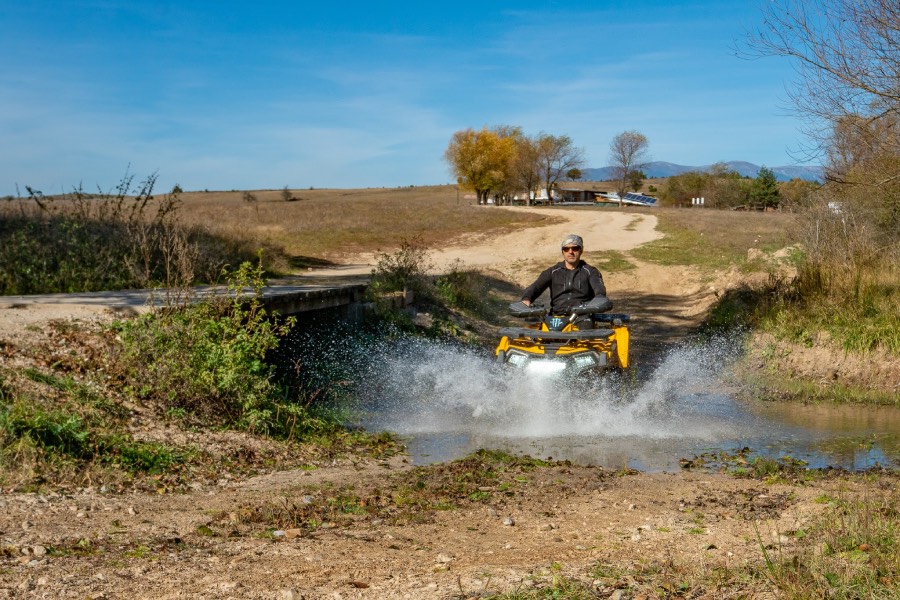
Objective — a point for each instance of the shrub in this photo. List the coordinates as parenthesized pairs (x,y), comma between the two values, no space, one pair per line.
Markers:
(405,269)
(463,288)
(83,242)
(209,359)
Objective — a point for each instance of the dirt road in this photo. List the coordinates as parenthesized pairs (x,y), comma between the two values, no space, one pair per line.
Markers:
(624,535)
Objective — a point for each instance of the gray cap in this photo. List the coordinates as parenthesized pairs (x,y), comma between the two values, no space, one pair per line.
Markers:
(573,240)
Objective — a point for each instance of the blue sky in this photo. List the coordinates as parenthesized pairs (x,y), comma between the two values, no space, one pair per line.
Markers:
(250,95)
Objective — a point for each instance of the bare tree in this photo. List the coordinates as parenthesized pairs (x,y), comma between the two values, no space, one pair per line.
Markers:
(629,151)
(847,57)
(557,156)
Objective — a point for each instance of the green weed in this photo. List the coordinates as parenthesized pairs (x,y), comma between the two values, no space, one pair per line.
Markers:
(210,360)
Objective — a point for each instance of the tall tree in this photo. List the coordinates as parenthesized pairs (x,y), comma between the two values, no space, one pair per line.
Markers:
(482,160)
(557,156)
(527,166)
(764,190)
(628,151)
(846,54)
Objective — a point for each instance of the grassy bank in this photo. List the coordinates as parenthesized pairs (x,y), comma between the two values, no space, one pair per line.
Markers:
(801,302)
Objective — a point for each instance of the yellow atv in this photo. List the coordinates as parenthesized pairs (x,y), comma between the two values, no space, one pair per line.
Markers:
(553,344)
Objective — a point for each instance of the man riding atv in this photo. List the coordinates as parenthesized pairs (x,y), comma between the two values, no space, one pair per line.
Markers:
(565,340)
(572,282)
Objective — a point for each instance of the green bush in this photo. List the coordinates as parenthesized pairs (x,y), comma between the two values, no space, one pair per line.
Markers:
(209,359)
(464,289)
(404,270)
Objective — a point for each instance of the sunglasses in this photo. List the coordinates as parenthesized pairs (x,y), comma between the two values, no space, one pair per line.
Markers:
(572,249)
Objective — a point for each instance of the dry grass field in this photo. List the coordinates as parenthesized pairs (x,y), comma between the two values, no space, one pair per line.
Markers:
(332,223)
(321,226)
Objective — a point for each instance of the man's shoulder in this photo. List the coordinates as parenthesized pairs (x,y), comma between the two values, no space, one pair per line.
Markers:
(557,266)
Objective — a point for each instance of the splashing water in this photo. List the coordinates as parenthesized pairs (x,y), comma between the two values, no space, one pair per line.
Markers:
(422,386)
(447,401)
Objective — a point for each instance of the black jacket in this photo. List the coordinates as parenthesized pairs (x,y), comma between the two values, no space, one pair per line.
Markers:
(568,287)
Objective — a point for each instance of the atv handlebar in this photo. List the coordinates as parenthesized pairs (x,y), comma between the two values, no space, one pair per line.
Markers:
(595,307)
(523,311)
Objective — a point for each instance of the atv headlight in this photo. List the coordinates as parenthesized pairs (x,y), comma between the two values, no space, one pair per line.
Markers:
(546,367)
(586,360)
(517,360)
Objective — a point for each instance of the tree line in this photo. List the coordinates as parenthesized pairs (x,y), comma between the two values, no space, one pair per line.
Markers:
(721,187)
(501,162)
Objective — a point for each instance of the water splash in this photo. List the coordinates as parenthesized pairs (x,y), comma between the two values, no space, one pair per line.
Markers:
(446,401)
(420,386)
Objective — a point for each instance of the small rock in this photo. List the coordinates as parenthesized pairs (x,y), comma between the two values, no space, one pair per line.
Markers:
(38,551)
(131,511)
(278,534)
(509,521)
(443,558)
(288,594)
(293,533)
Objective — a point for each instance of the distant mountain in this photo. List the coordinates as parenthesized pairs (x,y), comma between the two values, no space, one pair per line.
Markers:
(666,169)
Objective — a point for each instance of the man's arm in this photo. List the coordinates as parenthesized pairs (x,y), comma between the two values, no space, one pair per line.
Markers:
(595,278)
(537,288)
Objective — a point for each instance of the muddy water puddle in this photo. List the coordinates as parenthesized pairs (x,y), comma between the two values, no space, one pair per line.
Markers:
(447,402)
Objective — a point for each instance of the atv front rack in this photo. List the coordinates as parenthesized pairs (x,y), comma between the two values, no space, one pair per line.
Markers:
(585,334)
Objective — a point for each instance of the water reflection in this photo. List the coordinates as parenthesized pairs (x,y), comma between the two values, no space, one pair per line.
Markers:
(856,438)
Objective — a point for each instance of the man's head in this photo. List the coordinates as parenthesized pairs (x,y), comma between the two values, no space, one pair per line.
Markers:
(571,248)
